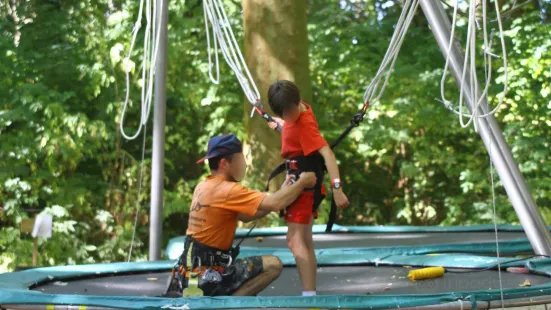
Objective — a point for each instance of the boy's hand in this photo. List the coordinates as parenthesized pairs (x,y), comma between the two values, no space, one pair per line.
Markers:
(278,121)
(340,199)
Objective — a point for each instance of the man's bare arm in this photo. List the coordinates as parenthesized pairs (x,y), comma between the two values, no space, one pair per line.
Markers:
(259,214)
(284,197)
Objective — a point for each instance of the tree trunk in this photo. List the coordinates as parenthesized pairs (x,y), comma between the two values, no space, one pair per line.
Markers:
(276,47)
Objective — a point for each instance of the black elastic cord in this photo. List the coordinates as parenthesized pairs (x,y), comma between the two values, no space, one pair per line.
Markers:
(246,236)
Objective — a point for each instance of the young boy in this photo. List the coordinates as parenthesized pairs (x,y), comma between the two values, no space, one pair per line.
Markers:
(301,137)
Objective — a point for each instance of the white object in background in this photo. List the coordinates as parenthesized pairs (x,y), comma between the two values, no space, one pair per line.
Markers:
(43,226)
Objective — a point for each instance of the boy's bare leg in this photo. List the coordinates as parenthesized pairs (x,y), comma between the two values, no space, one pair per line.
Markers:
(312,251)
(310,237)
(298,236)
(272,267)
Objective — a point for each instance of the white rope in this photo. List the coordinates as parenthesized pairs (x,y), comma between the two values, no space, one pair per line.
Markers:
(140,180)
(373,93)
(495,222)
(223,36)
(151,39)
(209,51)
(149,60)
(469,64)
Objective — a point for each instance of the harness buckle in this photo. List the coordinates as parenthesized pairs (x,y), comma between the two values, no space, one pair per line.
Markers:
(291,165)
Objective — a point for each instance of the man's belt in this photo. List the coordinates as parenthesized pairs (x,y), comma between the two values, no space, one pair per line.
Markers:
(208,256)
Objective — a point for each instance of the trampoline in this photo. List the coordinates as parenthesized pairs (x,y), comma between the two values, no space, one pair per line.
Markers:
(360,268)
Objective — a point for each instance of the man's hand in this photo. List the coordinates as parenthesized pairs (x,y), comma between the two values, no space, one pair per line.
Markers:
(288,181)
(340,199)
(278,121)
(307,179)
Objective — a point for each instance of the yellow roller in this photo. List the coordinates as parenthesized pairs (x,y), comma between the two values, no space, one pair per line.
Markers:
(426,273)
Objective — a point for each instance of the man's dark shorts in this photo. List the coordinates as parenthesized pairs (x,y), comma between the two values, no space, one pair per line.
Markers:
(233,277)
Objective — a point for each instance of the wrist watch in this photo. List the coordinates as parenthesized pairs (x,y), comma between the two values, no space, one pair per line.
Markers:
(336,183)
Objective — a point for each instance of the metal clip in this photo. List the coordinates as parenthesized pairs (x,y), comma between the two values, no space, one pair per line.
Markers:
(228,258)
(447,104)
(257,105)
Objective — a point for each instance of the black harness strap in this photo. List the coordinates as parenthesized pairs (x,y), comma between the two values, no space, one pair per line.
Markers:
(277,171)
(354,122)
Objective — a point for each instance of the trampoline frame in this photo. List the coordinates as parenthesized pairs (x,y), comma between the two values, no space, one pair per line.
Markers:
(15,293)
(14,286)
(456,305)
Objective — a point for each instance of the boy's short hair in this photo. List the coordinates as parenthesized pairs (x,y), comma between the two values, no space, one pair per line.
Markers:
(283,95)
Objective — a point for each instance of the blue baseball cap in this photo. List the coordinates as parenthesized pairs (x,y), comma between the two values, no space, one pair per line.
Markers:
(222,145)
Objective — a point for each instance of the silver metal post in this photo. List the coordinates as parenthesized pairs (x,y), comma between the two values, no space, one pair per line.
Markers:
(513,181)
(159,120)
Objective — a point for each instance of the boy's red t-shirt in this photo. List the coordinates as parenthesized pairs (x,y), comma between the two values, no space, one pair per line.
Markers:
(301,137)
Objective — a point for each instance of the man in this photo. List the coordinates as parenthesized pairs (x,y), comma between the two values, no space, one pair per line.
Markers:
(217,205)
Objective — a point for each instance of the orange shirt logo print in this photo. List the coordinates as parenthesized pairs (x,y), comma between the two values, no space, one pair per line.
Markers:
(197,206)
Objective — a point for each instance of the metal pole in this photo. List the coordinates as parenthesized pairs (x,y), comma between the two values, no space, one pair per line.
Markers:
(159,120)
(513,181)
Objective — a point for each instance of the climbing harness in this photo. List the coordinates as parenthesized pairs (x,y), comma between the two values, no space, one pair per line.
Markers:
(295,166)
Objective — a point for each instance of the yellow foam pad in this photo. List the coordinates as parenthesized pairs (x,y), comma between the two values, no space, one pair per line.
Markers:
(426,273)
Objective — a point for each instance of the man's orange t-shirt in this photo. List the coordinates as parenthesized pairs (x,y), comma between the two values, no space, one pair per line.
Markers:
(215,208)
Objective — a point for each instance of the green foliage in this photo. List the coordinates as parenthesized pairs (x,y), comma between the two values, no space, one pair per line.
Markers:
(410,162)
(63,85)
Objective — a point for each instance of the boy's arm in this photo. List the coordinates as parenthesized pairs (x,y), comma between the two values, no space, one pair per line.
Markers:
(333,170)
(330,162)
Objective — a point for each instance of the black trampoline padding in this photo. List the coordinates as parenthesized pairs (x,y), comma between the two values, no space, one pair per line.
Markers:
(348,240)
(331,280)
